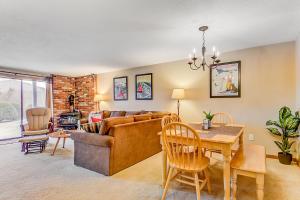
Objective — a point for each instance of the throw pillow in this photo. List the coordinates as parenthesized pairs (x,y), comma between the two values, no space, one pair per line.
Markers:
(110,122)
(96,119)
(91,127)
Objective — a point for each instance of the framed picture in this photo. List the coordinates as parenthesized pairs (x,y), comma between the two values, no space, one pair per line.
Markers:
(225,80)
(120,88)
(143,87)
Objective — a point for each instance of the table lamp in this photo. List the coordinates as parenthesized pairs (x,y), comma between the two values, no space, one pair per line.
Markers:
(98,98)
(178,94)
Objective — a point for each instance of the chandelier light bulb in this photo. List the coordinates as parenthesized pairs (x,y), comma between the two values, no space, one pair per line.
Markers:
(214,49)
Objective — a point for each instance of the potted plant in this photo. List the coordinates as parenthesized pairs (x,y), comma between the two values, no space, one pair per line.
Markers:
(286,128)
(209,116)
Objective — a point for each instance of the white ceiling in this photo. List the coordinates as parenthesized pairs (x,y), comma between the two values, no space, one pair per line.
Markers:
(77,37)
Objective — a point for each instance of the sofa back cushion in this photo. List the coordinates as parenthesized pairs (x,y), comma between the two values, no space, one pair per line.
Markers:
(112,121)
(106,114)
(131,113)
(156,115)
(117,113)
(143,117)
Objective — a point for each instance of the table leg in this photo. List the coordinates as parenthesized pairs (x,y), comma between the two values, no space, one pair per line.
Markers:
(227,159)
(260,186)
(55,146)
(64,142)
(164,168)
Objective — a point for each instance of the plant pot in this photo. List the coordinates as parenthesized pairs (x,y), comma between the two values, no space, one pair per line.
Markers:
(285,159)
(209,123)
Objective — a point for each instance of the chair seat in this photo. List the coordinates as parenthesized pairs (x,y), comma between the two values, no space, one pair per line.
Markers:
(39,132)
(34,138)
(200,165)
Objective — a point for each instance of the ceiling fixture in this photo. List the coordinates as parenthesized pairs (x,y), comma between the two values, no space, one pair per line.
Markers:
(203,64)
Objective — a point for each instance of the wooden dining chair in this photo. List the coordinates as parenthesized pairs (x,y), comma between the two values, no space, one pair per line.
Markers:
(176,137)
(169,119)
(222,118)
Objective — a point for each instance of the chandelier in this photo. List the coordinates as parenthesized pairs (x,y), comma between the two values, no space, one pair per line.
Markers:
(203,64)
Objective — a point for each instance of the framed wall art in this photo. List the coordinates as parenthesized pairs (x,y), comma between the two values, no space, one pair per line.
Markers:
(120,88)
(225,80)
(143,87)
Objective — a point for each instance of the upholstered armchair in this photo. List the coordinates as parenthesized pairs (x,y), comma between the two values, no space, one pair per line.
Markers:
(38,122)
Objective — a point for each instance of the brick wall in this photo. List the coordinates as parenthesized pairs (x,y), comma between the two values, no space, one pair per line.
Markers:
(85,91)
(83,88)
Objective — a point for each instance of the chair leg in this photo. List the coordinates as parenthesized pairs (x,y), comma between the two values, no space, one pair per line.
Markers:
(167,183)
(197,185)
(206,173)
(210,154)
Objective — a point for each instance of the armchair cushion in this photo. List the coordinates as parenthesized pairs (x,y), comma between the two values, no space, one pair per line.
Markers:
(39,132)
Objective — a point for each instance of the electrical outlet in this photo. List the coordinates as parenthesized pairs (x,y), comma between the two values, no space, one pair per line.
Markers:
(251,137)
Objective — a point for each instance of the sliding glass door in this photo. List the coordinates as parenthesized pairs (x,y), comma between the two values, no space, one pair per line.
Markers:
(16,96)
(10,108)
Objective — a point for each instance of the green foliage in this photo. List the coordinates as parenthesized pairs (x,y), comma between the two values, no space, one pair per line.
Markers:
(286,128)
(208,115)
(8,112)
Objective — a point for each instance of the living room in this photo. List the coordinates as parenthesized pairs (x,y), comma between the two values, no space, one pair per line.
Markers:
(168,99)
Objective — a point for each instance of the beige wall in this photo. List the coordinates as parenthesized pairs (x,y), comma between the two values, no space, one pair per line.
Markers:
(268,82)
(298,73)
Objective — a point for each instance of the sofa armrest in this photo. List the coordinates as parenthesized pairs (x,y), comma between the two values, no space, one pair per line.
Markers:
(92,138)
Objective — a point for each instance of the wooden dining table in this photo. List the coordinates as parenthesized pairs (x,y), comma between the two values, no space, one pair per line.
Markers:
(219,137)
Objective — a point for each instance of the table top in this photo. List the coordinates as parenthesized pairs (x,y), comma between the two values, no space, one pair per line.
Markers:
(59,134)
(219,133)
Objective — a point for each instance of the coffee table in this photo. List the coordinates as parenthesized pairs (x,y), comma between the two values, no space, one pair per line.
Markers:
(59,134)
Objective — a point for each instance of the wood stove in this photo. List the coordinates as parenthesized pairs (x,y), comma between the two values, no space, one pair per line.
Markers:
(69,120)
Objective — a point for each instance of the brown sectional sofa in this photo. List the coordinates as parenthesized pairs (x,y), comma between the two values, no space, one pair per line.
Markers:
(124,144)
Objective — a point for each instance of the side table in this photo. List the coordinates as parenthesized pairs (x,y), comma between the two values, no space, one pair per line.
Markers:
(59,134)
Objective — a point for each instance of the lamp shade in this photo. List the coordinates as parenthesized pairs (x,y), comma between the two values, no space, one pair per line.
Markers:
(178,93)
(98,97)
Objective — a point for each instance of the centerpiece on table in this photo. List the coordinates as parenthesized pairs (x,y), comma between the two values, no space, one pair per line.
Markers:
(208,118)
(285,128)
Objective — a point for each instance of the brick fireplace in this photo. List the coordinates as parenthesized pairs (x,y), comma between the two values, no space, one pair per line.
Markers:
(83,88)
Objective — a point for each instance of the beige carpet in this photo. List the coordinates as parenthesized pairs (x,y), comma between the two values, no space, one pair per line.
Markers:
(45,177)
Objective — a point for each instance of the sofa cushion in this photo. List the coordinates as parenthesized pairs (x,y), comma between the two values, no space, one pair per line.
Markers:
(93,139)
(109,122)
(143,117)
(117,113)
(130,113)
(156,115)
(105,114)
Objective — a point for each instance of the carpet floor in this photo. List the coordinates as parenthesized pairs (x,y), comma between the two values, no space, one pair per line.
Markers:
(44,177)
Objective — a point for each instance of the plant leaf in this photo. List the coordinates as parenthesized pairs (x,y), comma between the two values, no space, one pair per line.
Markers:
(279,145)
(292,134)
(273,123)
(274,131)
(290,144)
(284,113)
(291,123)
